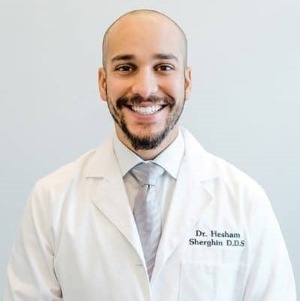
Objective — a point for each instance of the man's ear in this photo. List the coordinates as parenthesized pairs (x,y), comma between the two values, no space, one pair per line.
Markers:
(102,83)
(187,82)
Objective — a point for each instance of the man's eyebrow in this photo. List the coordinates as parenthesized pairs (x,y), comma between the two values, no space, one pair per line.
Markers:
(166,56)
(123,57)
(159,56)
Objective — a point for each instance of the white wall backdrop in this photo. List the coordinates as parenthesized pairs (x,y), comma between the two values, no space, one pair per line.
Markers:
(245,104)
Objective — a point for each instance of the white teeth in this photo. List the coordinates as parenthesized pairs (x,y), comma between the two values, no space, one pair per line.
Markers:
(146,110)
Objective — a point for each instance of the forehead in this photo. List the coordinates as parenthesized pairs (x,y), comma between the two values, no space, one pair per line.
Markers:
(142,34)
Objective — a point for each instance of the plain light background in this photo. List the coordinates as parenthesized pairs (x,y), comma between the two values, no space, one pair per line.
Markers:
(244,107)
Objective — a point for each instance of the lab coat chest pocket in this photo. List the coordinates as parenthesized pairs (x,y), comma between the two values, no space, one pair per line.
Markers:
(211,282)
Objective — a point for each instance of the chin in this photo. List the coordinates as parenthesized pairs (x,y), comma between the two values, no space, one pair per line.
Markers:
(149,140)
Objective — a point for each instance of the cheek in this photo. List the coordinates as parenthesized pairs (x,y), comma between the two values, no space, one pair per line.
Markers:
(116,88)
(174,85)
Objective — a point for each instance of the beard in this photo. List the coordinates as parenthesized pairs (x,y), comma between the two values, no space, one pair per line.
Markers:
(151,141)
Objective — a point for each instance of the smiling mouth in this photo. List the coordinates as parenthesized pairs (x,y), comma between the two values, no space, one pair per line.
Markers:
(146,110)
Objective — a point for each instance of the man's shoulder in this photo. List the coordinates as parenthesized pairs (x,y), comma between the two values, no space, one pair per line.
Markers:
(83,166)
(64,176)
(214,167)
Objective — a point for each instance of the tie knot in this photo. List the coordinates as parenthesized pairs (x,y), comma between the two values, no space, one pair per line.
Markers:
(147,173)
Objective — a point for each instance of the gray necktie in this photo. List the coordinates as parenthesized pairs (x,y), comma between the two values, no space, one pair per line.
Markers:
(147,212)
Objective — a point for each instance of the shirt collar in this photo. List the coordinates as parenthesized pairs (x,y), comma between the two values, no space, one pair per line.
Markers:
(169,159)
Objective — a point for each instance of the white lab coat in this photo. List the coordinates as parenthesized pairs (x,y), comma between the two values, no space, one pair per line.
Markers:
(78,240)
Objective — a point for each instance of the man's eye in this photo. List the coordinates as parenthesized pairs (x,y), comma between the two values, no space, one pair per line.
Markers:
(164,67)
(124,68)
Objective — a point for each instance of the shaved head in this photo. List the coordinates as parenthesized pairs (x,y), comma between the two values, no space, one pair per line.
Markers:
(135,14)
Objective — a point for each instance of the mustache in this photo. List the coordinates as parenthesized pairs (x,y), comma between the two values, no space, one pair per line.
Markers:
(137,99)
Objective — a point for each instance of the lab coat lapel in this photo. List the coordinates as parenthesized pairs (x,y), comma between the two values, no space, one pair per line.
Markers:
(190,200)
(108,193)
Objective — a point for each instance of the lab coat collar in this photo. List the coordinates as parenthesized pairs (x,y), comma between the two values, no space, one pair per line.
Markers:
(99,164)
(201,163)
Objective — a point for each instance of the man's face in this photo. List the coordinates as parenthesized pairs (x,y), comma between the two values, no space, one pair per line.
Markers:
(145,81)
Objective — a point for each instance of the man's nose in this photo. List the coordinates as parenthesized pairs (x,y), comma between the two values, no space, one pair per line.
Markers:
(145,83)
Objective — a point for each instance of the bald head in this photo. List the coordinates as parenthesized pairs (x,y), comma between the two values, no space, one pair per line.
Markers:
(139,17)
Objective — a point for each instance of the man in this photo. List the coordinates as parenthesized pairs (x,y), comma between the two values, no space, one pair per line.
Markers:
(80,238)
